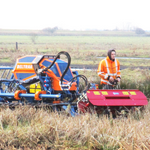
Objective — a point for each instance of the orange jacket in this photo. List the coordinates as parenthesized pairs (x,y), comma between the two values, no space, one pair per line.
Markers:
(107,68)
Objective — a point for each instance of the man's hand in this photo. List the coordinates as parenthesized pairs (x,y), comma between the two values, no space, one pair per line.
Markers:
(111,79)
(118,79)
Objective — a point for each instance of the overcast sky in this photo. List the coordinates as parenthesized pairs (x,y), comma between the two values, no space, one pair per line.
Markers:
(74,14)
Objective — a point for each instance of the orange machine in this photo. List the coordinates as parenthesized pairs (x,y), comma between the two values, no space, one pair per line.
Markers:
(27,67)
(42,79)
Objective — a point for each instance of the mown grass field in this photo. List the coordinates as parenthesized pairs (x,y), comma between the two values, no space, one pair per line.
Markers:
(28,128)
(83,49)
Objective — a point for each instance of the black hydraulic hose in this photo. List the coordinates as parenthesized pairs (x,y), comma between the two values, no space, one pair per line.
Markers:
(81,76)
(68,65)
(57,56)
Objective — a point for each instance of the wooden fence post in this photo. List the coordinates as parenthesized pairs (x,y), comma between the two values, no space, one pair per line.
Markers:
(16,45)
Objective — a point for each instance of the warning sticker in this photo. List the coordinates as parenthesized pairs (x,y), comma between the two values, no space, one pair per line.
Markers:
(132,93)
(104,93)
(96,93)
(125,93)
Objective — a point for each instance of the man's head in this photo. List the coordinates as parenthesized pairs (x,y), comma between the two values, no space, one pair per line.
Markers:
(111,54)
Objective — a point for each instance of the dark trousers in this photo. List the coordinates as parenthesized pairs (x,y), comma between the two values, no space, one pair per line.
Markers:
(106,86)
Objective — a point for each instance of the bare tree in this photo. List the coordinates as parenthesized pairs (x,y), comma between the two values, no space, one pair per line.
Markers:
(50,30)
(34,37)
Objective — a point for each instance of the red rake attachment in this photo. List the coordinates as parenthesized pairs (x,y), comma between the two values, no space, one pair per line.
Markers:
(116,98)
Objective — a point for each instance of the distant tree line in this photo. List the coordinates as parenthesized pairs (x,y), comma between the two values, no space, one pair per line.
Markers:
(137,30)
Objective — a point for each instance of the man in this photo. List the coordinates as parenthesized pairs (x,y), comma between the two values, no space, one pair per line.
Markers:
(109,70)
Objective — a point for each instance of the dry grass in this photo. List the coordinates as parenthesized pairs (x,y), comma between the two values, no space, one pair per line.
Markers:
(28,128)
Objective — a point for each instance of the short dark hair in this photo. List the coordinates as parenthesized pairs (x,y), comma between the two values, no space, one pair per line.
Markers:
(113,50)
